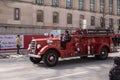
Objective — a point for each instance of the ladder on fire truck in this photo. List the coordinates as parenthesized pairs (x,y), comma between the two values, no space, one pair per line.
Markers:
(96,31)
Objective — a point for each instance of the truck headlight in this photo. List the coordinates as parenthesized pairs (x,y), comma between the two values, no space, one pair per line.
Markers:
(38,46)
(29,47)
(49,41)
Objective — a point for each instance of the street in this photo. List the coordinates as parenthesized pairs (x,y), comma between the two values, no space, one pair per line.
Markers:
(20,68)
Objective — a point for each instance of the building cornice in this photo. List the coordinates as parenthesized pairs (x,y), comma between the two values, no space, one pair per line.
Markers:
(2,25)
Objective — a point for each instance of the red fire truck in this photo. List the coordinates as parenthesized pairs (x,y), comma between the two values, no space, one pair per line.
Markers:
(96,42)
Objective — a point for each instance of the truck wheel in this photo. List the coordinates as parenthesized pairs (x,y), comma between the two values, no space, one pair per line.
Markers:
(103,54)
(84,57)
(35,60)
(50,58)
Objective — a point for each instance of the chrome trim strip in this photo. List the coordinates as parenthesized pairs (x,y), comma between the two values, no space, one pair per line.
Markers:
(33,55)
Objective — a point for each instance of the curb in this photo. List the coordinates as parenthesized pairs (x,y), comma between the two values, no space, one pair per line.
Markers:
(6,54)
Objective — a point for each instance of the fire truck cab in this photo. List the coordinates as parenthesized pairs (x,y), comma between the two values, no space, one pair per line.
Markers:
(83,43)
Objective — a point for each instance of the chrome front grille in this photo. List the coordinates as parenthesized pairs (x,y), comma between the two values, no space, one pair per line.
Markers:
(33,46)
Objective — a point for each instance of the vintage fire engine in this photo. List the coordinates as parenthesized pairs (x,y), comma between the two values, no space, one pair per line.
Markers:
(83,43)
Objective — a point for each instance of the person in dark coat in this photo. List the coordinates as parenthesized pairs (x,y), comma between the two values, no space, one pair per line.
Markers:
(114,73)
(65,38)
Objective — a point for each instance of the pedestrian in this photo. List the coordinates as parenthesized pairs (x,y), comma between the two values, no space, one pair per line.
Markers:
(18,44)
(114,73)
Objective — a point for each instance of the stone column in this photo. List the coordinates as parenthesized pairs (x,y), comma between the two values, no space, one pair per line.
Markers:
(115,7)
(97,5)
(62,3)
(87,5)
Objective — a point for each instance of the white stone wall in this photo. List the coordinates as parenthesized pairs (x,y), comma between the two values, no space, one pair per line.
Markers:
(28,10)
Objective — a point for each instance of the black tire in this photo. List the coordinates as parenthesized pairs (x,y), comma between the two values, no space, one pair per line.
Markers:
(84,57)
(103,54)
(50,58)
(35,60)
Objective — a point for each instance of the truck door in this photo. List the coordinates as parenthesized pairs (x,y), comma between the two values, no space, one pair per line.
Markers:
(79,45)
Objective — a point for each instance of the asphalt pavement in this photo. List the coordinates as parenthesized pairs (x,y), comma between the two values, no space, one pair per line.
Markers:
(19,67)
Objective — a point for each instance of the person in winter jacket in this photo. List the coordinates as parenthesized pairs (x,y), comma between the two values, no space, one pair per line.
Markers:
(114,73)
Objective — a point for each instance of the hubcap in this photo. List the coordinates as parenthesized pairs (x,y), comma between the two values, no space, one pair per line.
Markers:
(51,58)
(103,53)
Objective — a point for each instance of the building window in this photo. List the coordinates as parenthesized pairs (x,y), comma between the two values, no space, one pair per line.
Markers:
(111,23)
(68,3)
(81,21)
(40,16)
(92,21)
(40,2)
(55,3)
(55,17)
(92,5)
(81,4)
(102,6)
(110,6)
(118,22)
(17,14)
(102,22)
(69,18)
(118,7)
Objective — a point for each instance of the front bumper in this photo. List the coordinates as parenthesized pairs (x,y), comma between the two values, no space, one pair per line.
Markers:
(34,55)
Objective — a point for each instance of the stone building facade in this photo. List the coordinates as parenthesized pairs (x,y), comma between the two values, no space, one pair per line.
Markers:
(39,16)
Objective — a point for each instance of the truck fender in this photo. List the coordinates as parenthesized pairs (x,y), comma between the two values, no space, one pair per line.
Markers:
(46,48)
(101,46)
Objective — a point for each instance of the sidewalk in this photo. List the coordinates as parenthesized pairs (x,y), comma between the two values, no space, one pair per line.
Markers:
(8,53)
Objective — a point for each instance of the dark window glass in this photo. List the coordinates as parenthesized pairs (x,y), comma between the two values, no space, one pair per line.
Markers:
(92,20)
(81,20)
(39,16)
(40,2)
(92,5)
(17,14)
(118,22)
(102,22)
(55,3)
(110,6)
(68,3)
(81,4)
(69,18)
(111,23)
(102,6)
(118,7)
(55,17)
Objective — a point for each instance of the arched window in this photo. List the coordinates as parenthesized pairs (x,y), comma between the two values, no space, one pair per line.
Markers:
(69,18)
(55,17)
(40,16)
(82,17)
